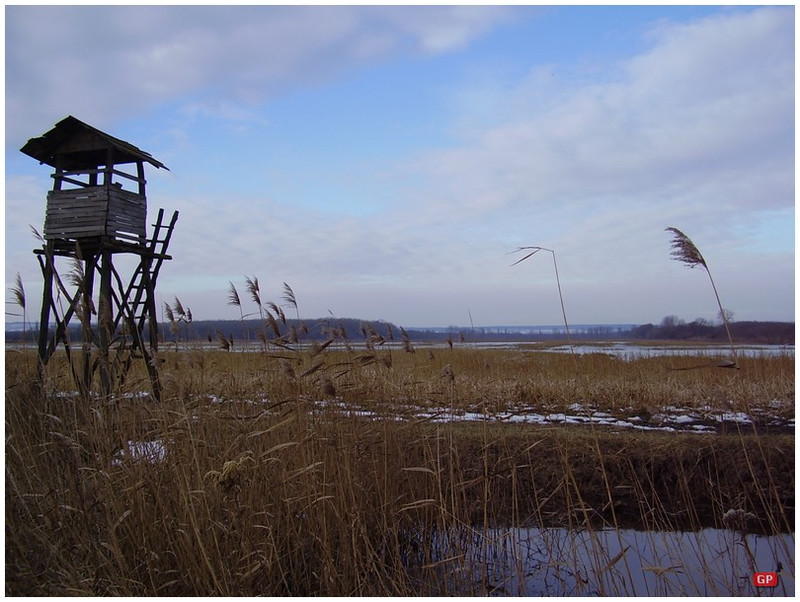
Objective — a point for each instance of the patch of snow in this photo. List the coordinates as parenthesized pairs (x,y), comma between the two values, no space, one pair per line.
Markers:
(681,419)
(734,417)
(151,452)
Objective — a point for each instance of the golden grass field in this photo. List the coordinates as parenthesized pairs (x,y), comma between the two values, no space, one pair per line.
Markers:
(339,472)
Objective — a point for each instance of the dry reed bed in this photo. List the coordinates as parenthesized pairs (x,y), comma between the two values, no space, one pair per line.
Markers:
(491,381)
(262,491)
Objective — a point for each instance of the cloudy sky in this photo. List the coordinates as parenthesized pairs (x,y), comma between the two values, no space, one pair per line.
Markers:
(385,161)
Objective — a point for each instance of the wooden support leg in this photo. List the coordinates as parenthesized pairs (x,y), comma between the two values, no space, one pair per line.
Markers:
(47,299)
(86,323)
(104,323)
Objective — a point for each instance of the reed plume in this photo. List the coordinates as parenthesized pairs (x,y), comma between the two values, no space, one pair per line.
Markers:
(288,296)
(235,300)
(179,309)
(173,324)
(233,297)
(277,311)
(273,324)
(254,290)
(18,290)
(77,275)
(685,251)
(37,235)
(255,294)
(177,314)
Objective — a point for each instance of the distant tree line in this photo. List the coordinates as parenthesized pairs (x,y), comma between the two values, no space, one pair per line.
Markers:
(356,330)
(673,328)
(254,332)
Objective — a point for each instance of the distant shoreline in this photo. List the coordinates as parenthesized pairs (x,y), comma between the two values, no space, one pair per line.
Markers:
(356,330)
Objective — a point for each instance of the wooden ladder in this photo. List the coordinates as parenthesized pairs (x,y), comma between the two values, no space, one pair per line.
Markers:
(137,304)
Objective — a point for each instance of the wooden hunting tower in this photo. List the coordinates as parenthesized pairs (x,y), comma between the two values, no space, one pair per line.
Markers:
(98,208)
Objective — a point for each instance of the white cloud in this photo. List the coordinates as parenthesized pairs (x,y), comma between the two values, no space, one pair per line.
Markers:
(696,132)
(682,118)
(111,62)
(444,28)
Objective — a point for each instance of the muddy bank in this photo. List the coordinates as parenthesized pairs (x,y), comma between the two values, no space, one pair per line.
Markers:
(573,476)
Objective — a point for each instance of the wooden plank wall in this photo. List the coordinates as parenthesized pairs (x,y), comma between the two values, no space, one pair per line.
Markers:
(127,215)
(95,211)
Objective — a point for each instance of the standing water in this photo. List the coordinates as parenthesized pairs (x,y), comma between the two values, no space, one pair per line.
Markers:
(562,562)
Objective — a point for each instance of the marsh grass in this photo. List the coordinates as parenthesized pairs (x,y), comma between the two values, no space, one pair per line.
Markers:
(262,485)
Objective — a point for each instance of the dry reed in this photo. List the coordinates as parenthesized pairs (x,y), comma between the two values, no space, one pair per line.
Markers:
(297,473)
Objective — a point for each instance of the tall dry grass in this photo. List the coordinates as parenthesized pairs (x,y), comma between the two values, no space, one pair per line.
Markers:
(255,477)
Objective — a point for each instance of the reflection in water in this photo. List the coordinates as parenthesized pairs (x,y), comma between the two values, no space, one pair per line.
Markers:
(560,562)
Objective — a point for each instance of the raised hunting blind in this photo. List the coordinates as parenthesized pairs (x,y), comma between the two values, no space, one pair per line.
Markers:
(98,208)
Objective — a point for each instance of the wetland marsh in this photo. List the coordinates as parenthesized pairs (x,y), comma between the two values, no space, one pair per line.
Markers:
(344,470)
